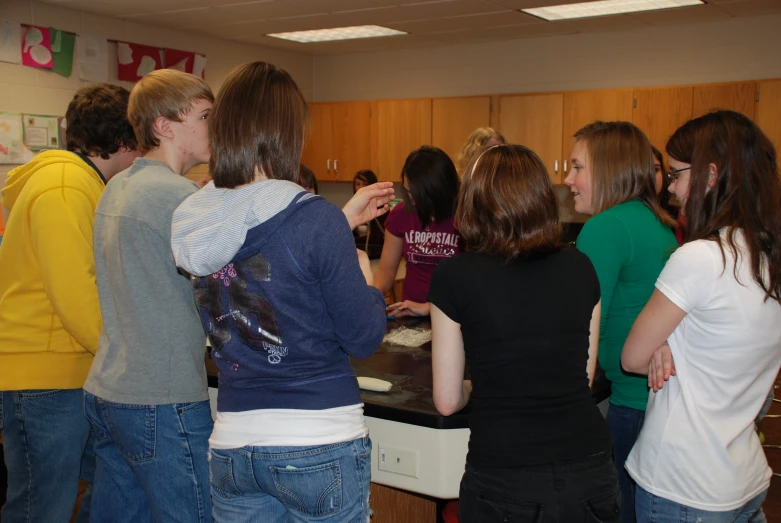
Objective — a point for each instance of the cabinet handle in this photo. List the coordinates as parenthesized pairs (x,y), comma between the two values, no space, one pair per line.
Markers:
(328,165)
(336,166)
(556,167)
(565,165)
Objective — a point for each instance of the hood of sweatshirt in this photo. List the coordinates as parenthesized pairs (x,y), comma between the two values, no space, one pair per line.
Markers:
(210,226)
(19,177)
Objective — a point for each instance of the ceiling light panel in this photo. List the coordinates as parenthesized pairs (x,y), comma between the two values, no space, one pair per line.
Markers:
(605,8)
(337,33)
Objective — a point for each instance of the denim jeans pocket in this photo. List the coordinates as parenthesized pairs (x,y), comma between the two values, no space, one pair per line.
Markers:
(221,476)
(605,508)
(314,491)
(133,428)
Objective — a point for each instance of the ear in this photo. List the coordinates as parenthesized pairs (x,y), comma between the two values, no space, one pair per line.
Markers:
(162,127)
(713,175)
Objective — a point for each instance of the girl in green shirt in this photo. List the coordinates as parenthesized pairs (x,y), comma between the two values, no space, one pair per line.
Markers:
(628,241)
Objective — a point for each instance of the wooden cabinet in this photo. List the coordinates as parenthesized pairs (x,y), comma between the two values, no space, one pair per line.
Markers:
(739,96)
(454,119)
(660,111)
(402,126)
(768,111)
(535,121)
(583,107)
(339,142)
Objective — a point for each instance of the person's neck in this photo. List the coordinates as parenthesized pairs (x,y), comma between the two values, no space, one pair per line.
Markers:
(172,158)
(107,167)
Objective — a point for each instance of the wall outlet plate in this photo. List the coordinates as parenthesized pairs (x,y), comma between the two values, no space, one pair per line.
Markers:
(398,461)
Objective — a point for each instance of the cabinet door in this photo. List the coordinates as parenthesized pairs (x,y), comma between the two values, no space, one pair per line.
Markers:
(583,107)
(535,121)
(768,115)
(738,97)
(402,127)
(318,146)
(352,139)
(454,119)
(659,112)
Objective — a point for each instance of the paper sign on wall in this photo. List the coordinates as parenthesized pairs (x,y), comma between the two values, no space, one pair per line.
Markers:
(136,61)
(11,42)
(41,132)
(37,48)
(199,66)
(11,149)
(179,60)
(63,47)
(92,58)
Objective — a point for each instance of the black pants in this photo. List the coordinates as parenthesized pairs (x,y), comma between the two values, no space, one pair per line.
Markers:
(584,490)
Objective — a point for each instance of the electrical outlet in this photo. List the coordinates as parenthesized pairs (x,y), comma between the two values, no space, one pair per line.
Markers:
(398,461)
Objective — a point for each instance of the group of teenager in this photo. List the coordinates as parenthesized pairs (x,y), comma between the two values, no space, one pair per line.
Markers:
(114,268)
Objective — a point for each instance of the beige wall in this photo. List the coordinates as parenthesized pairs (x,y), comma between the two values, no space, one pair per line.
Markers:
(728,50)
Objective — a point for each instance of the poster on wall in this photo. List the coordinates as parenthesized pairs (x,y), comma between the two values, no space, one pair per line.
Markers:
(41,132)
(11,148)
(92,58)
(37,47)
(199,66)
(136,61)
(179,60)
(10,42)
(63,49)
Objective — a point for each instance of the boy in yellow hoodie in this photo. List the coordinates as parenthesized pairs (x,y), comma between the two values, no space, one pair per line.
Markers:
(49,312)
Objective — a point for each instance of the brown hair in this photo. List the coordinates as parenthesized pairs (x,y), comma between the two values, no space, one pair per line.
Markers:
(167,93)
(622,167)
(475,142)
(507,206)
(746,196)
(259,120)
(97,123)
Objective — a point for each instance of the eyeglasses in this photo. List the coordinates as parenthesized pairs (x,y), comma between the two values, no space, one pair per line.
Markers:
(673,175)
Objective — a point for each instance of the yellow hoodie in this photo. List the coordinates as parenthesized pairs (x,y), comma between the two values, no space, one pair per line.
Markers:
(49,311)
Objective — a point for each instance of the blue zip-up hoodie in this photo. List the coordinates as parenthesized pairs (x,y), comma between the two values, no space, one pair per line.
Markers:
(281,295)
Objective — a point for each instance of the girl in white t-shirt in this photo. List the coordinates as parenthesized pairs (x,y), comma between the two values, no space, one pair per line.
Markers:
(715,313)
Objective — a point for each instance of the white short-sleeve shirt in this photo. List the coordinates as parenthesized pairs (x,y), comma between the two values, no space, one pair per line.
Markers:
(698,446)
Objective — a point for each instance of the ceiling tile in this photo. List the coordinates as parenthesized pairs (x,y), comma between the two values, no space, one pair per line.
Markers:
(462,23)
(192,17)
(682,15)
(751,7)
(528,4)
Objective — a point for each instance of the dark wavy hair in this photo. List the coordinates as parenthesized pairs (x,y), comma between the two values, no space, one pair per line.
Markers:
(433,184)
(507,206)
(96,121)
(367,175)
(745,196)
(664,195)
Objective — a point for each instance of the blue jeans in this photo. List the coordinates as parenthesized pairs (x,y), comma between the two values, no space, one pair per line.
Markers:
(653,509)
(151,461)
(326,484)
(625,424)
(47,447)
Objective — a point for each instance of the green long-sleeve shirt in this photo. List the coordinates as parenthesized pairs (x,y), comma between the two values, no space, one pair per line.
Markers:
(628,246)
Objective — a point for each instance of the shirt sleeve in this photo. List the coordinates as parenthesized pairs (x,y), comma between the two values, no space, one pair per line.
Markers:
(606,242)
(687,278)
(440,292)
(395,222)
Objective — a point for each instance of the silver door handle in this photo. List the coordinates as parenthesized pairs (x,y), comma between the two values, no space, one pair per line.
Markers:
(336,166)
(556,167)
(328,165)
(565,165)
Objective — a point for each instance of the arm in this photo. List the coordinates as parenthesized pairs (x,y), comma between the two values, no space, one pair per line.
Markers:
(655,323)
(368,203)
(451,391)
(408,308)
(392,251)
(61,223)
(593,343)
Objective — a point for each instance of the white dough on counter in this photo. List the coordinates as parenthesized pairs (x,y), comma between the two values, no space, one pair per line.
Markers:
(374,384)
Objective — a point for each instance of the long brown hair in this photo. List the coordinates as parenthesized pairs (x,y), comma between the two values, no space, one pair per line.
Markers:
(507,206)
(622,167)
(745,197)
(258,120)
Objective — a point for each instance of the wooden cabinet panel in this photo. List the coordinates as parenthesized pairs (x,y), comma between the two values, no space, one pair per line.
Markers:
(402,127)
(454,119)
(535,121)
(391,505)
(738,97)
(659,112)
(583,107)
(351,139)
(318,146)
(768,114)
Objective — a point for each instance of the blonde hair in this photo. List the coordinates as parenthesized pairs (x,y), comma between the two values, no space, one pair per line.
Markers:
(622,167)
(167,93)
(476,141)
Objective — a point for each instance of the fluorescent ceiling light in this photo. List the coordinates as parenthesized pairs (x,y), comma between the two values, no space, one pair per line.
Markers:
(337,33)
(605,7)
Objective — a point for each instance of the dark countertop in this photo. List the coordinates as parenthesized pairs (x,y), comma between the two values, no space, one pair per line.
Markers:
(408,369)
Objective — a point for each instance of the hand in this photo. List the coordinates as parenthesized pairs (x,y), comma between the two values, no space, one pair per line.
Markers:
(363,261)
(408,308)
(661,367)
(368,203)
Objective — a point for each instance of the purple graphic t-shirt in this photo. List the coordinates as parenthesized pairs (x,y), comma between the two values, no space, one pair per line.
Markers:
(424,248)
